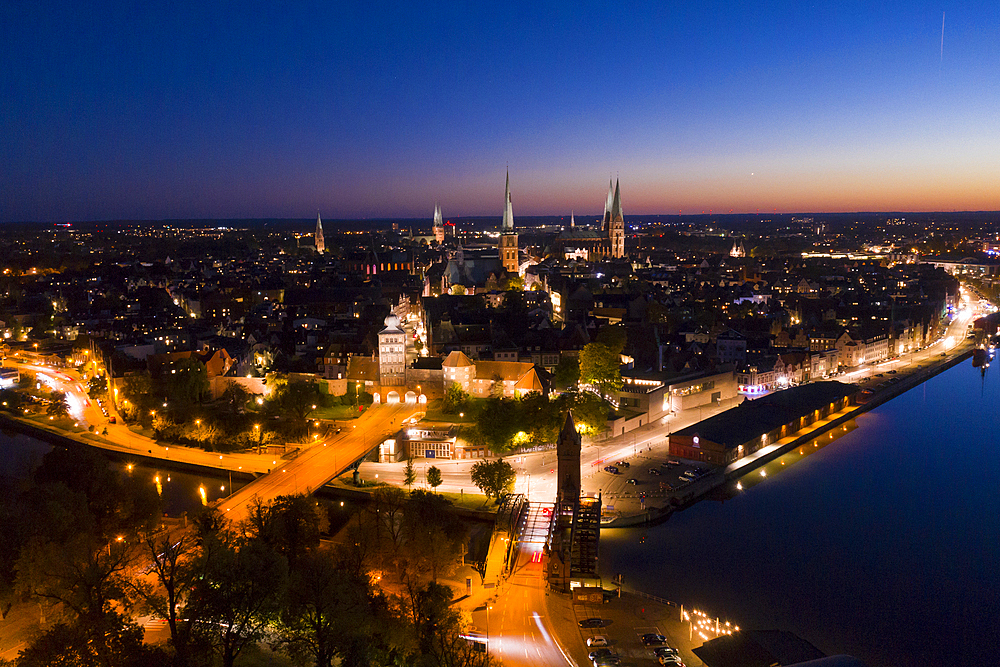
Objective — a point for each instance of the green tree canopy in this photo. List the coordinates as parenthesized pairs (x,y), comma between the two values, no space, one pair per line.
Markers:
(410,473)
(186,380)
(494,478)
(567,373)
(434,477)
(600,366)
(497,423)
(455,399)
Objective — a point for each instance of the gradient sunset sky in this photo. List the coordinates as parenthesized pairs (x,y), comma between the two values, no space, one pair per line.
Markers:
(153,110)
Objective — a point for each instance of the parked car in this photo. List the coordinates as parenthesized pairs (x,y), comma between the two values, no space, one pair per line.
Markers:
(623,464)
(664,651)
(632,480)
(654,471)
(602,653)
(608,661)
(611,469)
(672,660)
(597,640)
(672,463)
(591,623)
(653,639)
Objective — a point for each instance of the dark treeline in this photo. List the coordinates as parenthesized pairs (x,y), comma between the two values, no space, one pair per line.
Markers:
(85,541)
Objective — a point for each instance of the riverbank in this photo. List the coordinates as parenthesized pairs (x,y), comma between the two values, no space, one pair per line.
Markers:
(245,467)
(639,510)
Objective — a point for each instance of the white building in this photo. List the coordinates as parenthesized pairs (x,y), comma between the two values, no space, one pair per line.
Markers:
(392,353)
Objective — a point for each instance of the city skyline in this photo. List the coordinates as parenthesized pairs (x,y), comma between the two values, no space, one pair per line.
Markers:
(379,112)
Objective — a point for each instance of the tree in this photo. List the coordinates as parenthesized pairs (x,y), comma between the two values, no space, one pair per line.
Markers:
(291,525)
(97,387)
(496,386)
(235,398)
(434,534)
(186,380)
(238,596)
(59,407)
(497,423)
(513,282)
(614,336)
(410,474)
(325,610)
(86,516)
(256,437)
(494,478)
(600,366)
(434,477)
(170,562)
(295,399)
(454,400)
(539,419)
(567,372)
(113,640)
(590,412)
(439,631)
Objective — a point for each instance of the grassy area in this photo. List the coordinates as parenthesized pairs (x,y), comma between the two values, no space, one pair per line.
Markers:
(62,423)
(472,501)
(435,414)
(335,412)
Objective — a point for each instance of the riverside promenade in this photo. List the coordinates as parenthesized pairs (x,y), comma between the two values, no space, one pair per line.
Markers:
(647,504)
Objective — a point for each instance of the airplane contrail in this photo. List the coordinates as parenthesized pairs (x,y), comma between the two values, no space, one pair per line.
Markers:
(942,36)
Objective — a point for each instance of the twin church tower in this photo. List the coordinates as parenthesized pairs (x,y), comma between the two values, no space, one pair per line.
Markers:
(610,240)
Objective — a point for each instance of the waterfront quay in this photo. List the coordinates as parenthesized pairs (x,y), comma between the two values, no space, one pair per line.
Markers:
(655,496)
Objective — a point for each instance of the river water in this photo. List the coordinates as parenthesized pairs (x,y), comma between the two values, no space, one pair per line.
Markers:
(180,491)
(883,542)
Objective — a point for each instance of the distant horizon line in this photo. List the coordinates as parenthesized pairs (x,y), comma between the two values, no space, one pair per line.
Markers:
(583,216)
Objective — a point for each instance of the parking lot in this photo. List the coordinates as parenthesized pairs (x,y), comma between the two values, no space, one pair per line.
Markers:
(648,474)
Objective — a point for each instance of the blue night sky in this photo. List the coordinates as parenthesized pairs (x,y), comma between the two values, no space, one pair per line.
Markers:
(152,110)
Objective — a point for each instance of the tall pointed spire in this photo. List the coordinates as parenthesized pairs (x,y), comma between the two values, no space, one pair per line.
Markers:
(508,211)
(616,206)
(318,240)
(572,221)
(607,203)
(438,224)
(508,250)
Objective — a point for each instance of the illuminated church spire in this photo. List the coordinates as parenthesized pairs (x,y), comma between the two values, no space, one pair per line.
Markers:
(438,224)
(508,211)
(508,249)
(318,236)
(616,206)
(616,225)
(608,202)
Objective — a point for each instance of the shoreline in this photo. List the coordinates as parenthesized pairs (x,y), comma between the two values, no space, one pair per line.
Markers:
(717,478)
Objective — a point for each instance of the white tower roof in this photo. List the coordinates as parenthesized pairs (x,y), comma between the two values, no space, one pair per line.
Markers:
(508,211)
